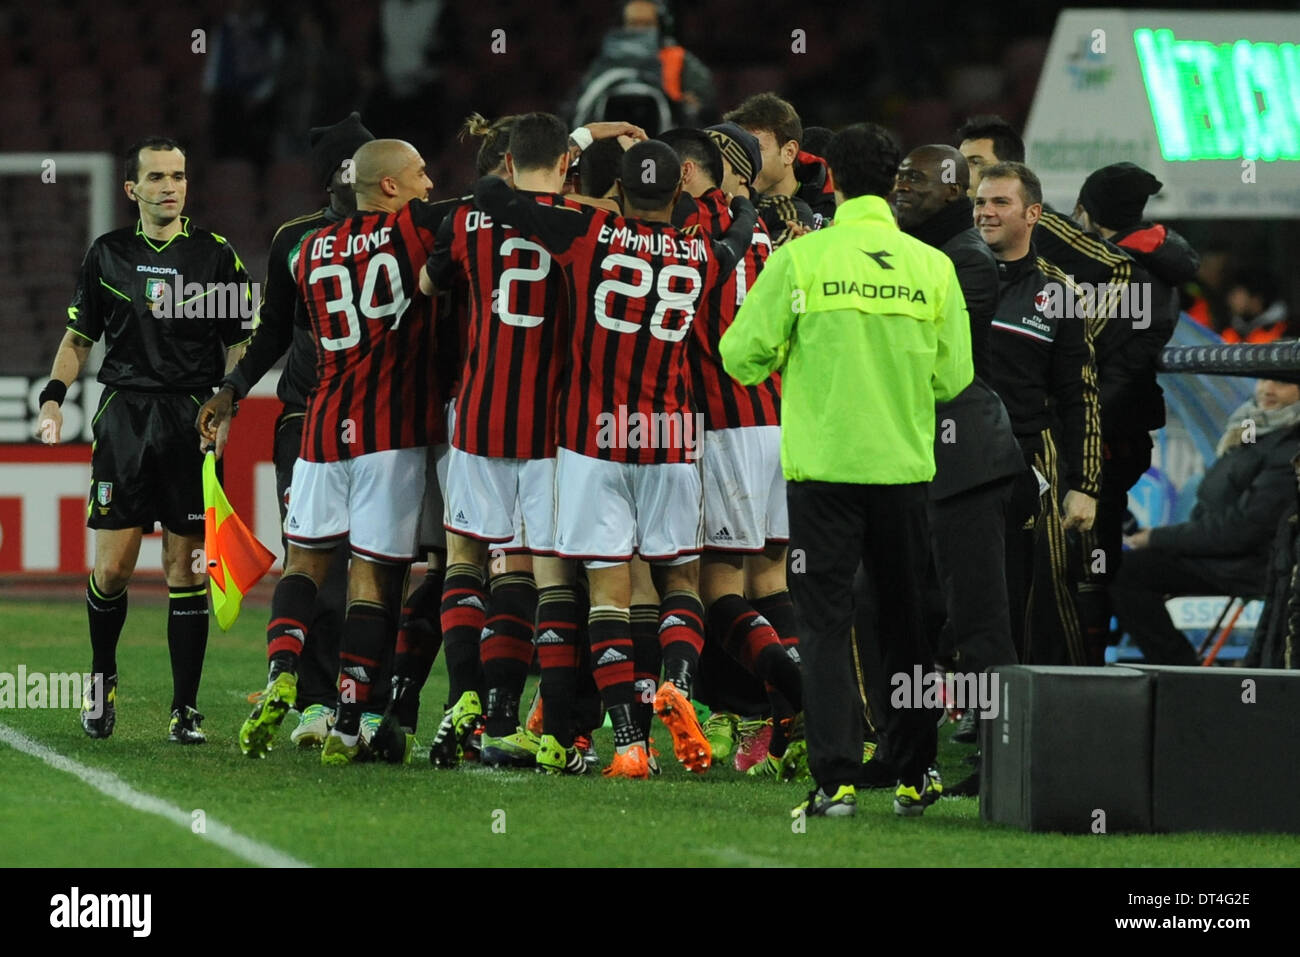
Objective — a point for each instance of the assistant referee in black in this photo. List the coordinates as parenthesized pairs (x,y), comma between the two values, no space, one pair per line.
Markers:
(168,344)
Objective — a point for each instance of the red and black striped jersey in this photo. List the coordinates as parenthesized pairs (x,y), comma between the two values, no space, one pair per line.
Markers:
(516,339)
(726,403)
(634,287)
(373,333)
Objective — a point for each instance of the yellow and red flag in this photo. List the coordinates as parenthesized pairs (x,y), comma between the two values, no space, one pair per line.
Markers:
(236,559)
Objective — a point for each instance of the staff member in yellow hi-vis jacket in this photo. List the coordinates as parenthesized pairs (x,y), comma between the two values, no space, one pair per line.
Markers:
(868,328)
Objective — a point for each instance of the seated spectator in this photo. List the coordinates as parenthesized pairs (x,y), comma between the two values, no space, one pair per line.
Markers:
(1224,547)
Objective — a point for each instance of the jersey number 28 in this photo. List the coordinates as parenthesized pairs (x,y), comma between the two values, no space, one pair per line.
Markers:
(669,299)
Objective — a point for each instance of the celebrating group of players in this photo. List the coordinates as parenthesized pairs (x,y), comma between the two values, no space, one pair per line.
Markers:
(524,386)
(572,441)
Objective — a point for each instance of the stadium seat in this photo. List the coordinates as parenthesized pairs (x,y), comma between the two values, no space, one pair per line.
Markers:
(926,121)
(229,181)
(79,124)
(77,83)
(20,83)
(142,85)
(19,117)
(971,83)
(52,55)
(289,176)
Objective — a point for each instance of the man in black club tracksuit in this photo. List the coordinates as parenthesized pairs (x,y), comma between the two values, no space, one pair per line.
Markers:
(1043,368)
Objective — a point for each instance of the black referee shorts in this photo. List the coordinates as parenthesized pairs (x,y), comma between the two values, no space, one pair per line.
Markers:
(145,465)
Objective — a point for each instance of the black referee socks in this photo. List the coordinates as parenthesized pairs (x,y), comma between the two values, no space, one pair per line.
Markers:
(107,615)
(187,641)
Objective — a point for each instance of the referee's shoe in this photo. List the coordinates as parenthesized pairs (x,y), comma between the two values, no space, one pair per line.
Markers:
(184,727)
(99,706)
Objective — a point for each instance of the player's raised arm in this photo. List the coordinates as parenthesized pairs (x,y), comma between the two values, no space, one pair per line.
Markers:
(556,227)
(730,247)
(437,274)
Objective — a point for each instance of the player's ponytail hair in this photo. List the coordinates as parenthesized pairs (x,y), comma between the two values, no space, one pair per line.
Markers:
(496,138)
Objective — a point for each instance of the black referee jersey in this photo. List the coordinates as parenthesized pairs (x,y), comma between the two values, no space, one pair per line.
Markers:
(204,302)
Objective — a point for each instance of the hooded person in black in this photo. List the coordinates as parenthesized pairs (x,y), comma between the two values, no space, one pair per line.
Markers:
(1110,206)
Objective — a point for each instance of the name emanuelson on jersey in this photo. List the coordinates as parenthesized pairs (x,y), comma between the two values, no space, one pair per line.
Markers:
(178,299)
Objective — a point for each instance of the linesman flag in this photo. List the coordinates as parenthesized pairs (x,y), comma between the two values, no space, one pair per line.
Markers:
(236,559)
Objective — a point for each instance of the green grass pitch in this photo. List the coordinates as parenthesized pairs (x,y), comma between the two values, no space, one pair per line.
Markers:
(416,816)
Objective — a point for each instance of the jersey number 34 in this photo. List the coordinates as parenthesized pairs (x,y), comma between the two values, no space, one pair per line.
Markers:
(347,302)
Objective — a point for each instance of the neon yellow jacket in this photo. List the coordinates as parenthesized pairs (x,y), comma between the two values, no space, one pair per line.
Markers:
(868,328)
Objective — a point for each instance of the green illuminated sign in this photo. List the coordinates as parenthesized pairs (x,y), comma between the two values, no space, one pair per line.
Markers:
(1222,101)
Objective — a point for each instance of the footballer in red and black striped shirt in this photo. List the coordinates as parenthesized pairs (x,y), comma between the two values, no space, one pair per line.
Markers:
(518,313)
(635,287)
(624,481)
(743,587)
(361,471)
(373,330)
(726,403)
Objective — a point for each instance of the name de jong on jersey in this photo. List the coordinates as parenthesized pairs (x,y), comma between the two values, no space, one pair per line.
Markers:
(373,332)
(634,288)
(516,336)
(124,274)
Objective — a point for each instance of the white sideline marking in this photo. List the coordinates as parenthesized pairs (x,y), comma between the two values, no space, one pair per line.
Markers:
(111,785)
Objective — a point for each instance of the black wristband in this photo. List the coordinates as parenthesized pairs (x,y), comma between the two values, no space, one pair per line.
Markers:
(54,391)
(234,396)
